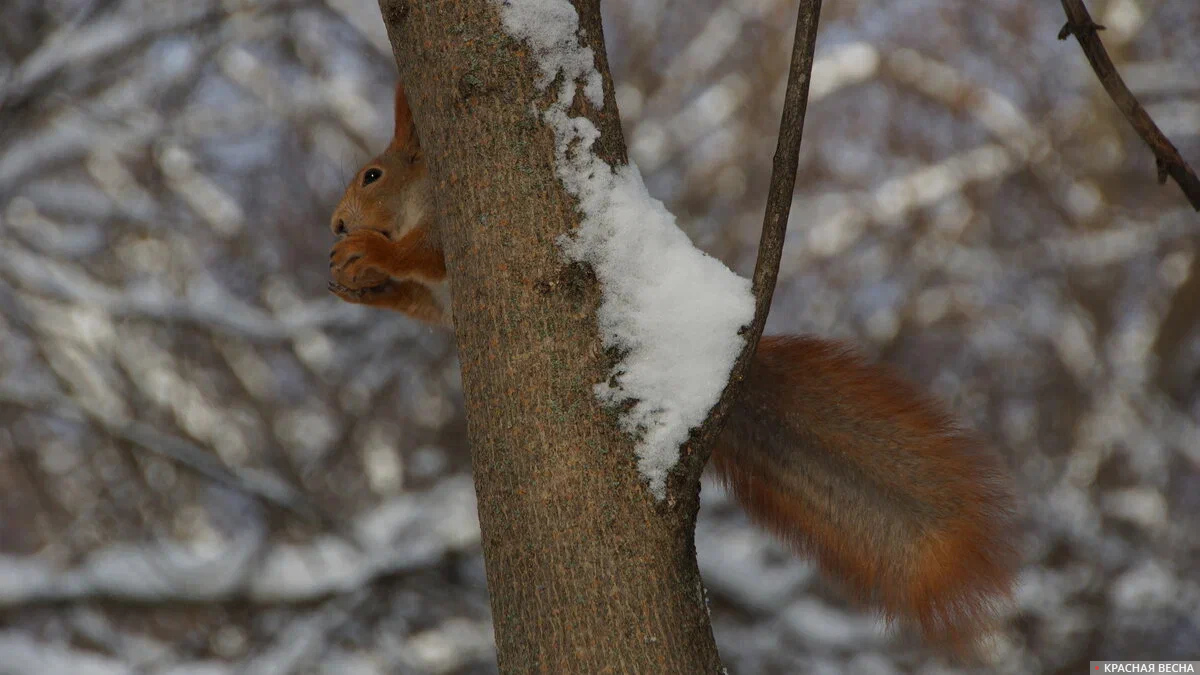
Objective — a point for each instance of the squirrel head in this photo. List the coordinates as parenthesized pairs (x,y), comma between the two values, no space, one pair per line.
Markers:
(389,194)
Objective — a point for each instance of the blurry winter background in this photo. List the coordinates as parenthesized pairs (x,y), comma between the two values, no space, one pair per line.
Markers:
(209,465)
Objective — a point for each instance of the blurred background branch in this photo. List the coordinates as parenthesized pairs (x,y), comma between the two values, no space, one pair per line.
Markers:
(1080,24)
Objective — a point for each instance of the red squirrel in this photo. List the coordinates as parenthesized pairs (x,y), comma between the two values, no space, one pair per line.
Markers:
(841,458)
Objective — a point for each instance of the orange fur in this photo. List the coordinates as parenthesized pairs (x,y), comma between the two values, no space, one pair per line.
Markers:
(404,133)
(850,463)
(368,257)
(841,458)
(406,297)
(388,254)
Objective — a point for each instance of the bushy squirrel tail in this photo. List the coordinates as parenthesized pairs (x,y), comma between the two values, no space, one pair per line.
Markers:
(853,465)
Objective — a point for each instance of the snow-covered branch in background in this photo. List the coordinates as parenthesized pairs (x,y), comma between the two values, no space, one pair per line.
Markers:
(406,533)
(444,648)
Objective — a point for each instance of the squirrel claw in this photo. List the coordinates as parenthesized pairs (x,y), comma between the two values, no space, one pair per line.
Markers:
(360,259)
(359,295)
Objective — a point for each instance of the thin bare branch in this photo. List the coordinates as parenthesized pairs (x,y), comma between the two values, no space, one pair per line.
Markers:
(779,205)
(1169,161)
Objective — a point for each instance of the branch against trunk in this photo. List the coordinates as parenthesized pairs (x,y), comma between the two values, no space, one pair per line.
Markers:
(1169,161)
(586,571)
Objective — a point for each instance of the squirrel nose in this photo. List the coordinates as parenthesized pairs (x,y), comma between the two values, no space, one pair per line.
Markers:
(340,228)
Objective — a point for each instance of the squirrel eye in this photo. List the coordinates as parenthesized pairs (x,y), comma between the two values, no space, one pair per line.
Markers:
(371,176)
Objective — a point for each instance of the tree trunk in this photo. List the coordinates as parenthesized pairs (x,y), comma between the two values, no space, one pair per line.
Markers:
(587,572)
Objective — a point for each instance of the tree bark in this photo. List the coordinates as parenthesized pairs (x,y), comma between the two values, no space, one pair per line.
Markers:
(587,572)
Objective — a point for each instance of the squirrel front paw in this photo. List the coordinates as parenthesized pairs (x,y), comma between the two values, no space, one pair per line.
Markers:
(360,259)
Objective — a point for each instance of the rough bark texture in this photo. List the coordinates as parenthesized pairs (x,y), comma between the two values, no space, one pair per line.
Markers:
(587,573)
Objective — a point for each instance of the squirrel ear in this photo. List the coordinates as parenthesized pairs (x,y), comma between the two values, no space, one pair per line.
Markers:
(405,135)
